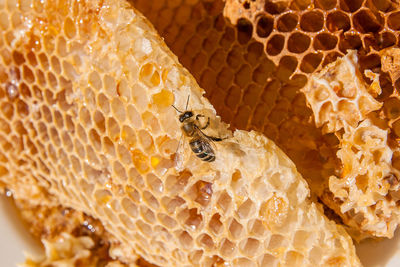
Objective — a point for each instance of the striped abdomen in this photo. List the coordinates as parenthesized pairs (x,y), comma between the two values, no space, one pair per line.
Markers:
(202,148)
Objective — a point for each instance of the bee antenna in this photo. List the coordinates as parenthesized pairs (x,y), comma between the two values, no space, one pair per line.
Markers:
(176,109)
(187,102)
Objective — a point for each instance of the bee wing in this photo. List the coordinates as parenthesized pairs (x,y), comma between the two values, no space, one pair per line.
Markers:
(210,144)
(208,139)
(179,151)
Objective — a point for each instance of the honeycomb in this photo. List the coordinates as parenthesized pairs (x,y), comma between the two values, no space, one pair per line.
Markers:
(255,82)
(87,121)
(313,33)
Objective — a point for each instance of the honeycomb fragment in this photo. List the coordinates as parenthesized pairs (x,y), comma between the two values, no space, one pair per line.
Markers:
(390,63)
(338,95)
(100,63)
(368,178)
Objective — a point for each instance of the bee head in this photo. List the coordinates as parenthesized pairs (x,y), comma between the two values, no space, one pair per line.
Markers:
(186,115)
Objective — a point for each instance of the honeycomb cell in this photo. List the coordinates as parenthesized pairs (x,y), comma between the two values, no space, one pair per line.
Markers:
(147,214)
(151,200)
(164,99)
(383,5)
(287,22)
(298,42)
(69,70)
(393,20)
(257,228)
(206,242)
(4,21)
(167,221)
(194,219)
(102,196)
(245,31)
(4,127)
(49,43)
(32,59)
(22,109)
(27,74)
(95,81)
(250,247)
(136,179)
(144,228)
(316,253)
(227,248)
(371,61)
(18,58)
(312,21)
(75,163)
(350,5)
(134,116)
(287,65)
(120,170)
(242,262)
(311,62)
(55,65)
(338,21)
(325,41)
(44,62)
(69,28)
(367,22)
(236,230)
(268,260)
(19,128)
(196,256)
(349,41)
(127,222)
(274,8)
(62,49)
(387,39)
(215,224)
(186,240)
(331,57)
(118,109)
(274,211)
(113,129)
(294,258)
(203,192)
(149,119)
(302,239)
(391,108)
(246,209)
(264,26)
(243,76)
(396,127)
(108,146)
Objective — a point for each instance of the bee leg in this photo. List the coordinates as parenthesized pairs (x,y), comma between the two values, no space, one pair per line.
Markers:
(199,116)
(216,139)
(202,116)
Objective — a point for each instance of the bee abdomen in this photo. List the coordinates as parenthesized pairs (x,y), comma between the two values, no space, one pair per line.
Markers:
(202,149)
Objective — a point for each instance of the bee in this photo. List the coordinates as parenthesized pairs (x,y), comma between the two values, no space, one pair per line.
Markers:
(199,142)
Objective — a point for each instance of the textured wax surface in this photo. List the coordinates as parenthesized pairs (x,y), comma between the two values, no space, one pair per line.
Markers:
(87,122)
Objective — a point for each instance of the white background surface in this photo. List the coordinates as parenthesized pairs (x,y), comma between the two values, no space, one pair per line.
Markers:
(14,239)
